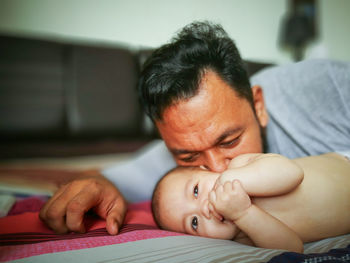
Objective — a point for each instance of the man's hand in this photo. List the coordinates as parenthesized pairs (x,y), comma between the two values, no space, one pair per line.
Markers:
(230,200)
(65,210)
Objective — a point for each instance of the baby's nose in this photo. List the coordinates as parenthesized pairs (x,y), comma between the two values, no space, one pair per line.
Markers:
(205,208)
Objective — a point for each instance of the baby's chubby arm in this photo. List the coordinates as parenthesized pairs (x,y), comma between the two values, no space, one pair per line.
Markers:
(231,201)
(263,174)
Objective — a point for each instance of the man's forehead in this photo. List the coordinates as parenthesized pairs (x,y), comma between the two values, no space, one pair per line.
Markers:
(212,91)
(197,128)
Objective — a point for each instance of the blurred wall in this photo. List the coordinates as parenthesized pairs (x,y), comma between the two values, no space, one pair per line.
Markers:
(254,24)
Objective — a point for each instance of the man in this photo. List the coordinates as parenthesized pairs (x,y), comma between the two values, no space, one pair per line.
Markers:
(197,92)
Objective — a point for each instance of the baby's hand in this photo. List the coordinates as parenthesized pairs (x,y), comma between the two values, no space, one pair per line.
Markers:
(227,176)
(230,200)
(214,213)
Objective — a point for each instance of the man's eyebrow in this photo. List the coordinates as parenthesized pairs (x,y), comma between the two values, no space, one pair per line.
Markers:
(181,151)
(223,136)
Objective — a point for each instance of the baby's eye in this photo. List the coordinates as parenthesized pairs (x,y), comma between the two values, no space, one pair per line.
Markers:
(195,191)
(194,223)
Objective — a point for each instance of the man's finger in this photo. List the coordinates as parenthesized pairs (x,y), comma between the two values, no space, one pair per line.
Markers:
(115,216)
(54,214)
(54,211)
(47,205)
(78,206)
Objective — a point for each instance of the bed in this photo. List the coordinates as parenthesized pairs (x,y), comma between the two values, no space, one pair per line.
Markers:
(24,238)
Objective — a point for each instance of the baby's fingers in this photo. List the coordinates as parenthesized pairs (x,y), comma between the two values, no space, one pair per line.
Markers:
(214,213)
(229,186)
(215,194)
(212,197)
(212,201)
(237,186)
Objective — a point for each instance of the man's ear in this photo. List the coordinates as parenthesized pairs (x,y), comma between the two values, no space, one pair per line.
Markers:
(259,105)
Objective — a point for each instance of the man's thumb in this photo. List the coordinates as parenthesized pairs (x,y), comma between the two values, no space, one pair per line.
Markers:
(112,225)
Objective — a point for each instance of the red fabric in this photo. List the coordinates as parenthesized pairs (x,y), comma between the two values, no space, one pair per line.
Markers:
(29,204)
(29,221)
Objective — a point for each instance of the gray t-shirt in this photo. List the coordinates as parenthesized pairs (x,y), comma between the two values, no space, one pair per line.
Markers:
(309,109)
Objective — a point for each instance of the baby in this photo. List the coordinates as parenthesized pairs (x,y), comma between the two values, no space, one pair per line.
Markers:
(264,200)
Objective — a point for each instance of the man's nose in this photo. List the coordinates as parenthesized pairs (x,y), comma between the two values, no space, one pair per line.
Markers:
(216,161)
(205,208)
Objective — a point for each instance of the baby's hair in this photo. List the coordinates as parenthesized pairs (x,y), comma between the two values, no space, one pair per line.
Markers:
(156,199)
(157,195)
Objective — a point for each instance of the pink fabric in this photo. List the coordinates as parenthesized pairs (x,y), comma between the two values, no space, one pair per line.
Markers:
(22,251)
(139,225)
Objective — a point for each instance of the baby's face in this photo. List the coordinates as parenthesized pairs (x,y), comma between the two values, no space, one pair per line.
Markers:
(184,205)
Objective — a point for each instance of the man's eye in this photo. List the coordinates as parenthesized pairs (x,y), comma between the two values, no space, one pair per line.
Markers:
(195,191)
(229,143)
(194,223)
(190,158)
(187,159)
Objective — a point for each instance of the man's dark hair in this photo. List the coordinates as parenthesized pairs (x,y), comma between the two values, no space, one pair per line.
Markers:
(174,71)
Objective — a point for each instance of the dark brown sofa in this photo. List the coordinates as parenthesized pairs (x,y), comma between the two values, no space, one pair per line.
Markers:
(59,98)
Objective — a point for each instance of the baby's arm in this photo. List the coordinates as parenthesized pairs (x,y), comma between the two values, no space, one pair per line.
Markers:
(264,174)
(231,201)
